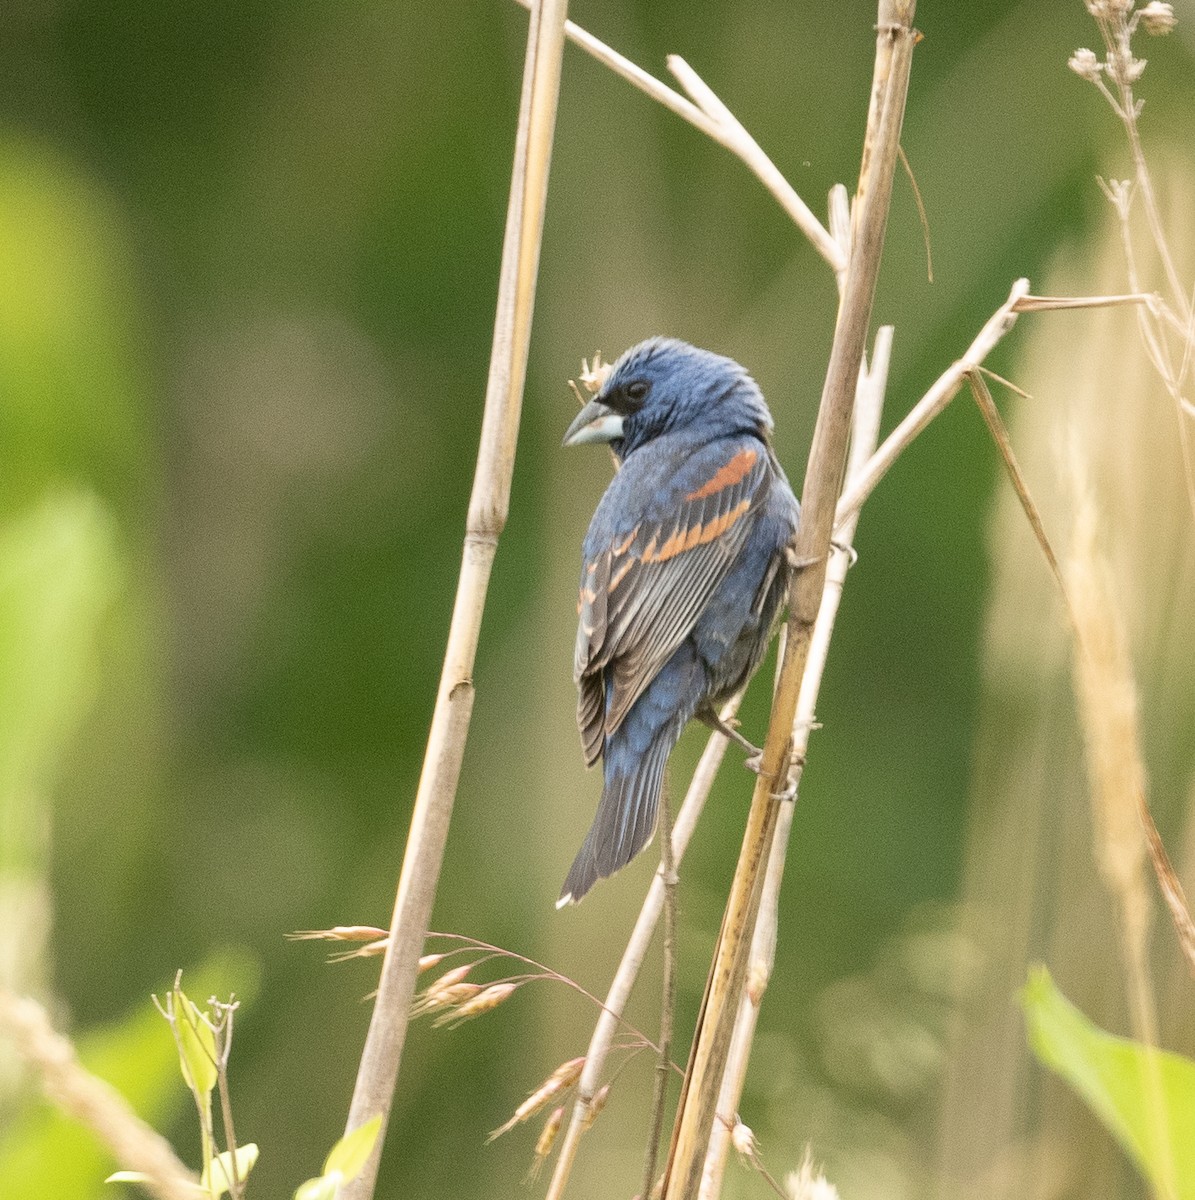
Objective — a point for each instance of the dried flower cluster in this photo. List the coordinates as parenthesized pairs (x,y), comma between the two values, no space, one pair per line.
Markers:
(1118,21)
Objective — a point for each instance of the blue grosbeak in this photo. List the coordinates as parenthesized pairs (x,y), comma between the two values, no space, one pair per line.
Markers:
(683,572)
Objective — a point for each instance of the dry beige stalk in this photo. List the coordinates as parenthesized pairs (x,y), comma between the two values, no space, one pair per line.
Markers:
(823,483)
(868,409)
(488,506)
(1031,891)
(707,113)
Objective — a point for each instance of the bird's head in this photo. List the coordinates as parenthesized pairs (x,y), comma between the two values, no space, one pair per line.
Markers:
(666,386)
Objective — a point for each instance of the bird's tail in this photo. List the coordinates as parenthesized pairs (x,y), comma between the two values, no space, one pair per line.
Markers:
(626,815)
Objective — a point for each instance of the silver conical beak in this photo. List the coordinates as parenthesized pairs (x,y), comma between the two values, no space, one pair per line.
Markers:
(594,423)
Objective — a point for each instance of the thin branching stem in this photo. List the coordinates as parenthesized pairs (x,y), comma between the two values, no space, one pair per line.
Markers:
(667,999)
(708,114)
(634,954)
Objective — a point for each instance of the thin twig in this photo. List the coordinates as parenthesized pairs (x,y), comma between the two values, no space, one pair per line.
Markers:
(488,508)
(634,954)
(715,121)
(947,385)
(224,1033)
(92,1101)
(996,427)
(823,482)
(667,999)
(931,404)
(868,409)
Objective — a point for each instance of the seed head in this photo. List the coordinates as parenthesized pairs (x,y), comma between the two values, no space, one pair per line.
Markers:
(1158,18)
(485,1000)
(559,1081)
(596,1105)
(1085,64)
(436,998)
(1124,67)
(545,1142)
(743,1140)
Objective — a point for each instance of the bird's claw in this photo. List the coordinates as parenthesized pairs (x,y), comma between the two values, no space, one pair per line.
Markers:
(789,793)
(852,555)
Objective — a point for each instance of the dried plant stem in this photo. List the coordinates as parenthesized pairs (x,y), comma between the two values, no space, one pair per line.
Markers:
(634,955)
(1081,627)
(488,508)
(931,404)
(1117,35)
(667,999)
(998,430)
(868,408)
(823,481)
(707,113)
(947,385)
(93,1102)
(1108,717)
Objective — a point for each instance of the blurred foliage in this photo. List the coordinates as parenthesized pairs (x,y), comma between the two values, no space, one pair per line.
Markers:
(248,272)
(1146,1097)
(42,1154)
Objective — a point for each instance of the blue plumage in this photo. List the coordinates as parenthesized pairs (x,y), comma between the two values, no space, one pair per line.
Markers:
(683,572)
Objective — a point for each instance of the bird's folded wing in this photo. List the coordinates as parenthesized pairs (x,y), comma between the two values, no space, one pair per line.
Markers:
(644,587)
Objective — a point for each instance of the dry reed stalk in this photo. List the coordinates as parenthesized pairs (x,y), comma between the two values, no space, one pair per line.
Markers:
(488,507)
(823,482)
(869,405)
(1108,718)
(93,1102)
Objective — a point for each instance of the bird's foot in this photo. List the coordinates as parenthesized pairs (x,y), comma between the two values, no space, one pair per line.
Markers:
(707,716)
(789,791)
(852,555)
(796,562)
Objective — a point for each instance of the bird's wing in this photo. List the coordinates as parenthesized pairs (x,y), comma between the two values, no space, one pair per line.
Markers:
(648,574)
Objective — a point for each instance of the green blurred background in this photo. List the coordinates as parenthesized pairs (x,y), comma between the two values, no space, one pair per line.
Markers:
(248,264)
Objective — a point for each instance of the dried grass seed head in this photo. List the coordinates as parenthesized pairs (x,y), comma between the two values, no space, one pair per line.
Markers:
(1158,18)
(1124,67)
(808,1183)
(1085,64)
(487,999)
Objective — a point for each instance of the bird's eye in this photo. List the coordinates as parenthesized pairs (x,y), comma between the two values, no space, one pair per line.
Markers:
(638,390)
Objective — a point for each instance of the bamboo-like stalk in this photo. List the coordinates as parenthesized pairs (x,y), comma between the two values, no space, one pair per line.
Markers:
(869,405)
(823,481)
(488,509)
(93,1102)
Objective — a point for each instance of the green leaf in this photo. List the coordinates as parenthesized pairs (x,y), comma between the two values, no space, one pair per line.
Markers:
(352,1152)
(217,1175)
(323,1187)
(1145,1098)
(344,1162)
(196,1046)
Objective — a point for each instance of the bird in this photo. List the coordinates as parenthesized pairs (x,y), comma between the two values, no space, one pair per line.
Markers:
(684,571)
